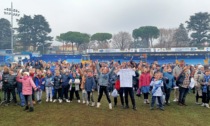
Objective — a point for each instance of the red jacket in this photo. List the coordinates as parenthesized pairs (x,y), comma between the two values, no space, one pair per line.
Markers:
(117,84)
(144,79)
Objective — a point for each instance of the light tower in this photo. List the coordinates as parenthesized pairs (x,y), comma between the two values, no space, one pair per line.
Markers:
(13,12)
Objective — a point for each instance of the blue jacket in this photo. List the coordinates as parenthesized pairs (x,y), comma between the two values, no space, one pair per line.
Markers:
(171,80)
(48,81)
(38,82)
(90,84)
(65,79)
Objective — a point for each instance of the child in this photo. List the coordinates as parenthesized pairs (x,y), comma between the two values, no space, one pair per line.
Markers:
(170,83)
(84,92)
(28,84)
(205,89)
(120,91)
(39,81)
(74,87)
(48,82)
(90,85)
(57,87)
(5,77)
(144,84)
(65,85)
(103,80)
(157,90)
(11,85)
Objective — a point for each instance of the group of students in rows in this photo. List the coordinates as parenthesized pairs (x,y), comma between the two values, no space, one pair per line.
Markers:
(60,78)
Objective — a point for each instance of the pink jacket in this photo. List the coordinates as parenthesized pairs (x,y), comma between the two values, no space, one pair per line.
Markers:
(144,79)
(27,84)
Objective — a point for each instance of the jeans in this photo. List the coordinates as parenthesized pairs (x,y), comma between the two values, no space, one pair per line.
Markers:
(22,99)
(90,96)
(168,92)
(159,98)
(57,92)
(205,98)
(65,90)
(84,95)
(49,92)
(129,91)
(121,91)
(28,98)
(39,95)
(105,90)
(182,94)
(12,91)
(72,94)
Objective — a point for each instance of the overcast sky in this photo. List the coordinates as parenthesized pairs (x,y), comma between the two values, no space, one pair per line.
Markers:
(91,16)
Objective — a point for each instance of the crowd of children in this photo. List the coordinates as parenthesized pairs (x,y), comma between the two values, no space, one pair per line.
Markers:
(61,80)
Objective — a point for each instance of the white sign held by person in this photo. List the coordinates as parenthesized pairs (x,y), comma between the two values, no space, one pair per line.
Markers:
(126,77)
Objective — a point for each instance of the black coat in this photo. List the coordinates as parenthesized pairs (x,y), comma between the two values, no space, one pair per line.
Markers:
(57,82)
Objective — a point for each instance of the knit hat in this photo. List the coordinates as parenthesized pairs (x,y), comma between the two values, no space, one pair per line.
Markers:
(27,73)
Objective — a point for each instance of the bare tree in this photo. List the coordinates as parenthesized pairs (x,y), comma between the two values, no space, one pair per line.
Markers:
(122,40)
(165,39)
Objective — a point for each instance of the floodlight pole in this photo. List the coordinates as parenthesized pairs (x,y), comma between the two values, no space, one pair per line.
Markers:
(12,12)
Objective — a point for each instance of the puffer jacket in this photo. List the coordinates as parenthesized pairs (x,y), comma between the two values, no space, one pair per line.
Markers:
(5,77)
(12,82)
(90,84)
(57,82)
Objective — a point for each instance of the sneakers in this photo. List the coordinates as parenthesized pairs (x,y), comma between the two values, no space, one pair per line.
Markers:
(47,100)
(197,103)
(110,105)
(55,100)
(51,100)
(175,100)
(98,104)
(83,101)
(145,101)
(93,104)
(87,103)
(67,101)
(207,105)
(78,101)
(60,100)
(203,105)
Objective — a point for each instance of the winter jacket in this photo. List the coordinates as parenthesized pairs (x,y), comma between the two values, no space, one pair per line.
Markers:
(199,76)
(103,79)
(48,81)
(65,79)
(90,84)
(5,77)
(57,82)
(145,79)
(170,78)
(27,85)
(38,82)
(11,84)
